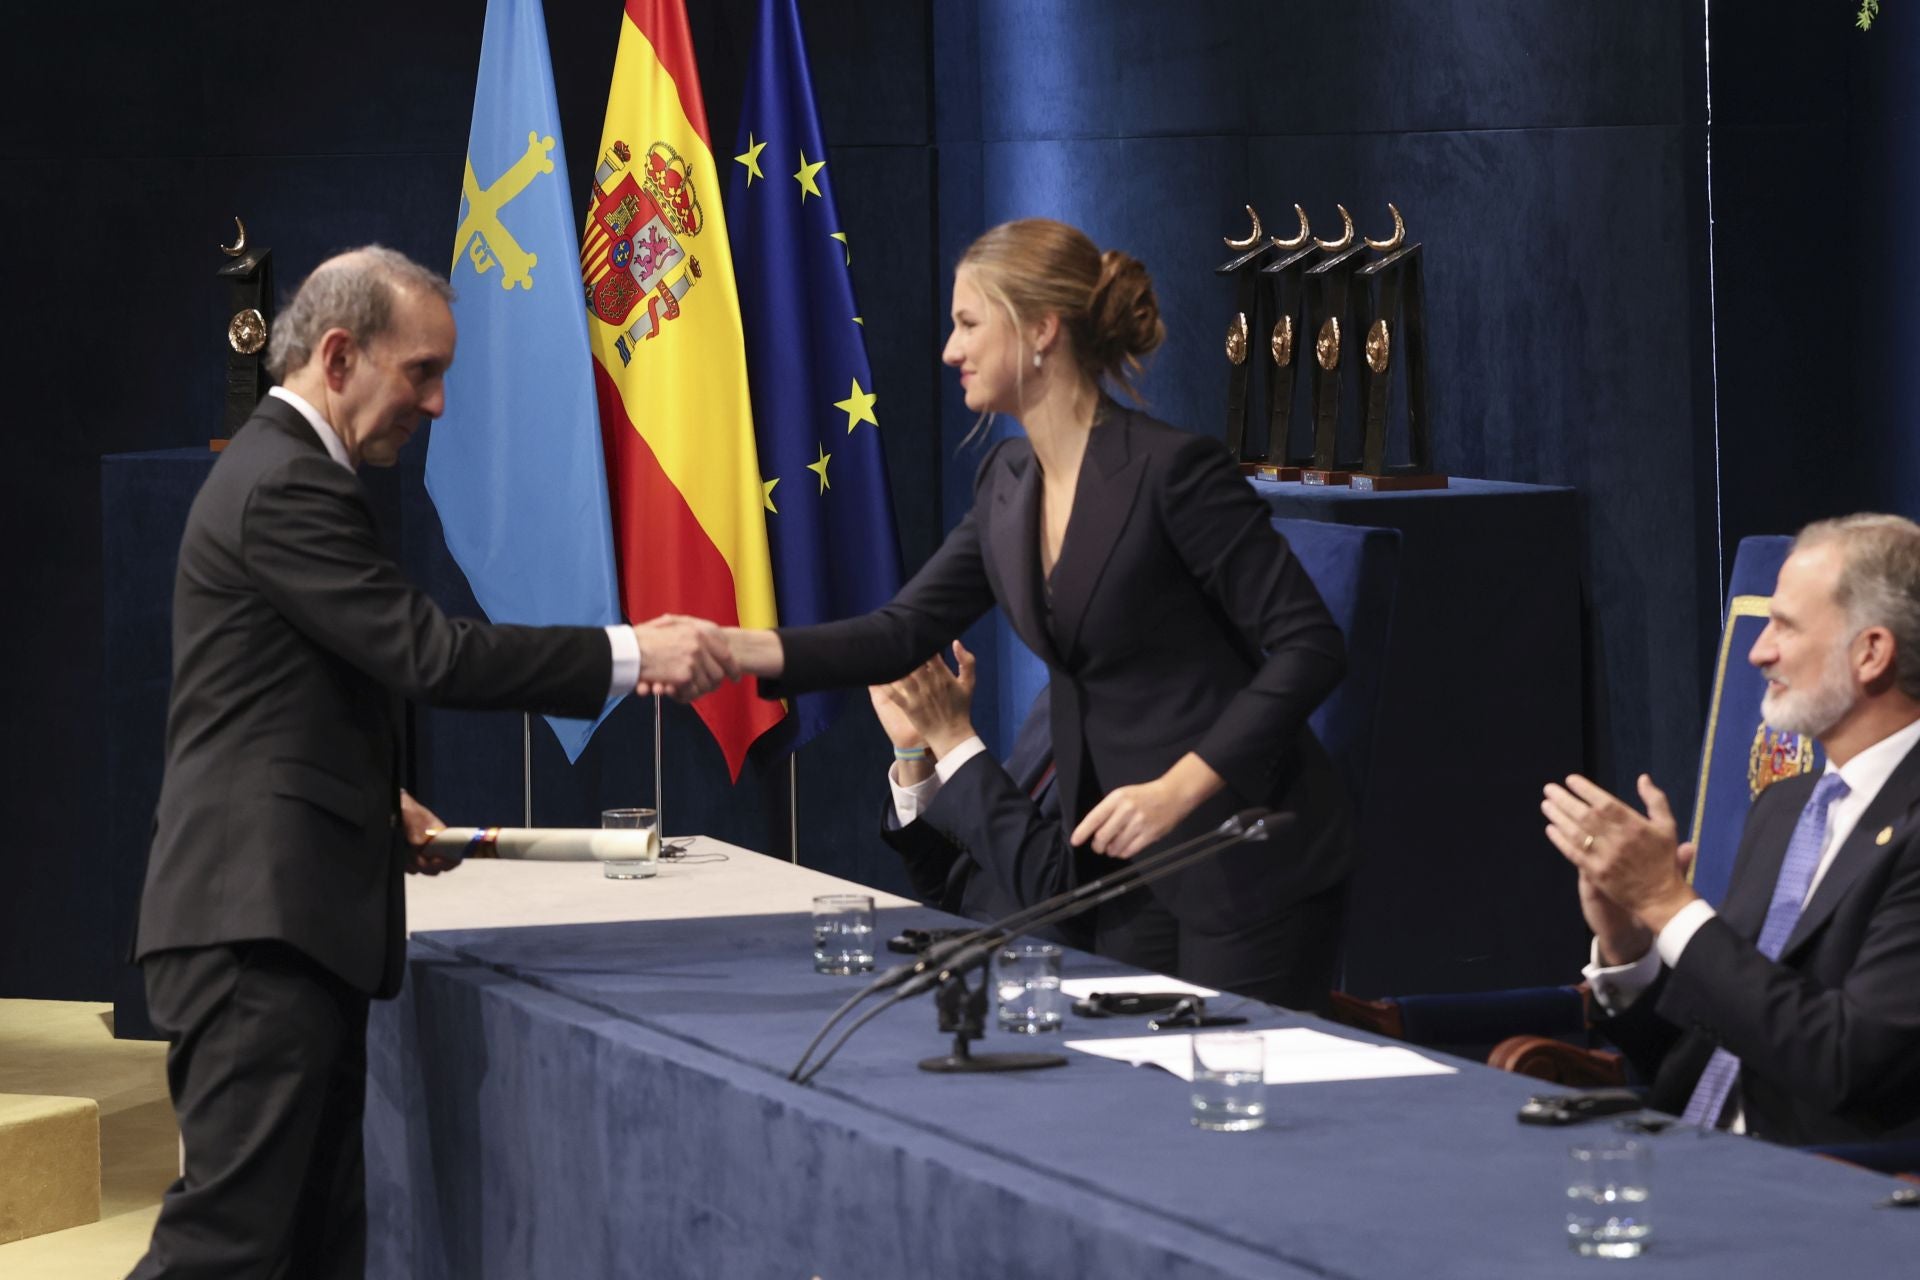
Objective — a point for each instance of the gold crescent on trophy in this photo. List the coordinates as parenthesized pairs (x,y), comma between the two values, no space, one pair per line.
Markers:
(239,245)
(1326,348)
(1346,237)
(1379,347)
(1253,236)
(1300,240)
(1237,339)
(1398,237)
(1281,343)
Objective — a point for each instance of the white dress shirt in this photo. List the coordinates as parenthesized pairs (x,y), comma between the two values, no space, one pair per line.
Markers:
(1616,987)
(620,639)
(910,801)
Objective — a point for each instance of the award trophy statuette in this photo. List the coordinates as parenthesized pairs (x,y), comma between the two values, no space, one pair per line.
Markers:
(1397,337)
(1241,336)
(1329,289)
(1286,289)
(249,278)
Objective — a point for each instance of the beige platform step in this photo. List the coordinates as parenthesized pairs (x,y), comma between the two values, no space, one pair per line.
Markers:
(49,1164)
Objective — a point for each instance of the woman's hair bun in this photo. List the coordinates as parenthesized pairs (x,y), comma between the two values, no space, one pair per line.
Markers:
(1123,315)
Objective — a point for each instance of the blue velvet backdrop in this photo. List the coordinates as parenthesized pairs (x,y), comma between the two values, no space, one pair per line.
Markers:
(1552,158)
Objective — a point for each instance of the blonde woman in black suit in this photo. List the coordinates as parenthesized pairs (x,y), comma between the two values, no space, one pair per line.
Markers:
(1185,644)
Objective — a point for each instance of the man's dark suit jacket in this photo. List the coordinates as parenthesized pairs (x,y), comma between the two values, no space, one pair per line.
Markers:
(1829,1035)
(1176,620)
(990,842)
(294,640)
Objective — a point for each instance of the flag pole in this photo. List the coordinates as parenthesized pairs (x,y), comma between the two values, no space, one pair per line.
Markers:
(659,788)
(793,808)
(526,762)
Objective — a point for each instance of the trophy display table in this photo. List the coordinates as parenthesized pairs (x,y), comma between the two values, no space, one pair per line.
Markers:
(1481,704)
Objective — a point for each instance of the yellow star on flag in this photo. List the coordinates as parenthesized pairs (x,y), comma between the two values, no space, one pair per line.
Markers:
(751,158)
(862,323)
(841,236)
(766,494)
(858,406)
(820,468)
(806,175)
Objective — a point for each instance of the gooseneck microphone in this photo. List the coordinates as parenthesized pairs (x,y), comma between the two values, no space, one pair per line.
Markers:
(958,956)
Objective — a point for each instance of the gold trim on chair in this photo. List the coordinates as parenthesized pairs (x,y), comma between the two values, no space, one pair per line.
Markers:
(1739,607)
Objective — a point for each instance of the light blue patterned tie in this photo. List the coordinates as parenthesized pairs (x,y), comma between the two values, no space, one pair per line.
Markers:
(1789,895)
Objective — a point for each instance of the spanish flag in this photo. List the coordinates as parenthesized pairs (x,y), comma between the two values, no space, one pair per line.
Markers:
(669,362)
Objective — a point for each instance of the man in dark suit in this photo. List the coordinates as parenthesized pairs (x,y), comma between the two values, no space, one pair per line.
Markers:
(979,839)
(1792,1012)
(274,905)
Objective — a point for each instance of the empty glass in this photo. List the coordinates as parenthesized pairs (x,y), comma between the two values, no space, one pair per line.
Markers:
(1026,983)
(843,933)
(1607,1189)
(1229,1081)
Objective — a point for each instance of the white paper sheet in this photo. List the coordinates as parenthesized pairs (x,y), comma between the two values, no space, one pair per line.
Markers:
(1145,984)
(1295,1055)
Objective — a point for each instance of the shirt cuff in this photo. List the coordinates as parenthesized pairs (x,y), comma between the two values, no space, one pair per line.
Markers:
(949,764)
(909,802)
(1617,986)
(626,660)
(1680,930)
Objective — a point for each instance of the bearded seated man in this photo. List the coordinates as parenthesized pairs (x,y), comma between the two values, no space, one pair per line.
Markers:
(1793,1011)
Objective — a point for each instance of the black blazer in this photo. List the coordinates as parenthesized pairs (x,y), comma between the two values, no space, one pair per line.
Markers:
(1177,620)
(294,640)
(990,842)
(1828,1036)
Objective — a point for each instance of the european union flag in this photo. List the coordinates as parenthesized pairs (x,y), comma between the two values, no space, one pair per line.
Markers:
(515,467)
(828,512)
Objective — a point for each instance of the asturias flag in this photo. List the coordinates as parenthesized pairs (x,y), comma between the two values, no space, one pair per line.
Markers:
(828,513)
(515,467)
(664,327)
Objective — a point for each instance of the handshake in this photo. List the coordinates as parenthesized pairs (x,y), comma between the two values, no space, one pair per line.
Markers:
(688,658)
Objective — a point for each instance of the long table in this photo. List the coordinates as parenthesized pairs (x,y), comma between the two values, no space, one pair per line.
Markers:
(606,1097)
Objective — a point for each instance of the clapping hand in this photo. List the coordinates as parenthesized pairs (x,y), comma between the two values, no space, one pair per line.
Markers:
(683,657)
(935,702)
(1632,866)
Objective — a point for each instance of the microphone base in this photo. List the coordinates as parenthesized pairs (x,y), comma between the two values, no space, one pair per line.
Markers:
(953,1063)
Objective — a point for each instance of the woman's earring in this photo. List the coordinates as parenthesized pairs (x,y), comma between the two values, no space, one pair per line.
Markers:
(1036,359)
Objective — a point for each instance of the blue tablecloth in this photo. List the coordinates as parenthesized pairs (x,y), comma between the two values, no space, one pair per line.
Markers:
(609,1100)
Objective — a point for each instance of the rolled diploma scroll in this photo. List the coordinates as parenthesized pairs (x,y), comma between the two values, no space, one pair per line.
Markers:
(547,844)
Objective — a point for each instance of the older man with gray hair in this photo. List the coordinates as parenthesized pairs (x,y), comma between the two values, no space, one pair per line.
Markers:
(273,907)
(1793,1011)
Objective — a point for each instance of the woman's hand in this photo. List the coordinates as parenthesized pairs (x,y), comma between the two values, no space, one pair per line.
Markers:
(1131,818)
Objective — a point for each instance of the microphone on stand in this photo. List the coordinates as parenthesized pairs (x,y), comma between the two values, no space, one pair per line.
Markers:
(949,962)
(934,958)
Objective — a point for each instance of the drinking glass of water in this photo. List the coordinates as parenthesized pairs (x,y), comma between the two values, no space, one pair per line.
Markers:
(1026,983)
(843,933)
(1607,1185)
(1230,1081)
(647,863)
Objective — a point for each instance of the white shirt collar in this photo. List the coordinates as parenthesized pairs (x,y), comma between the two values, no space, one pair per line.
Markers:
(1868,771)
(322,428)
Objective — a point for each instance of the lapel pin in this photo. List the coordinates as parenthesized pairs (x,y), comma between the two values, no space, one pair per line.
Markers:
(1886,834)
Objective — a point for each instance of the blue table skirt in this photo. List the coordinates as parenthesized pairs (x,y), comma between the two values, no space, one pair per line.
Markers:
(609,1100)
